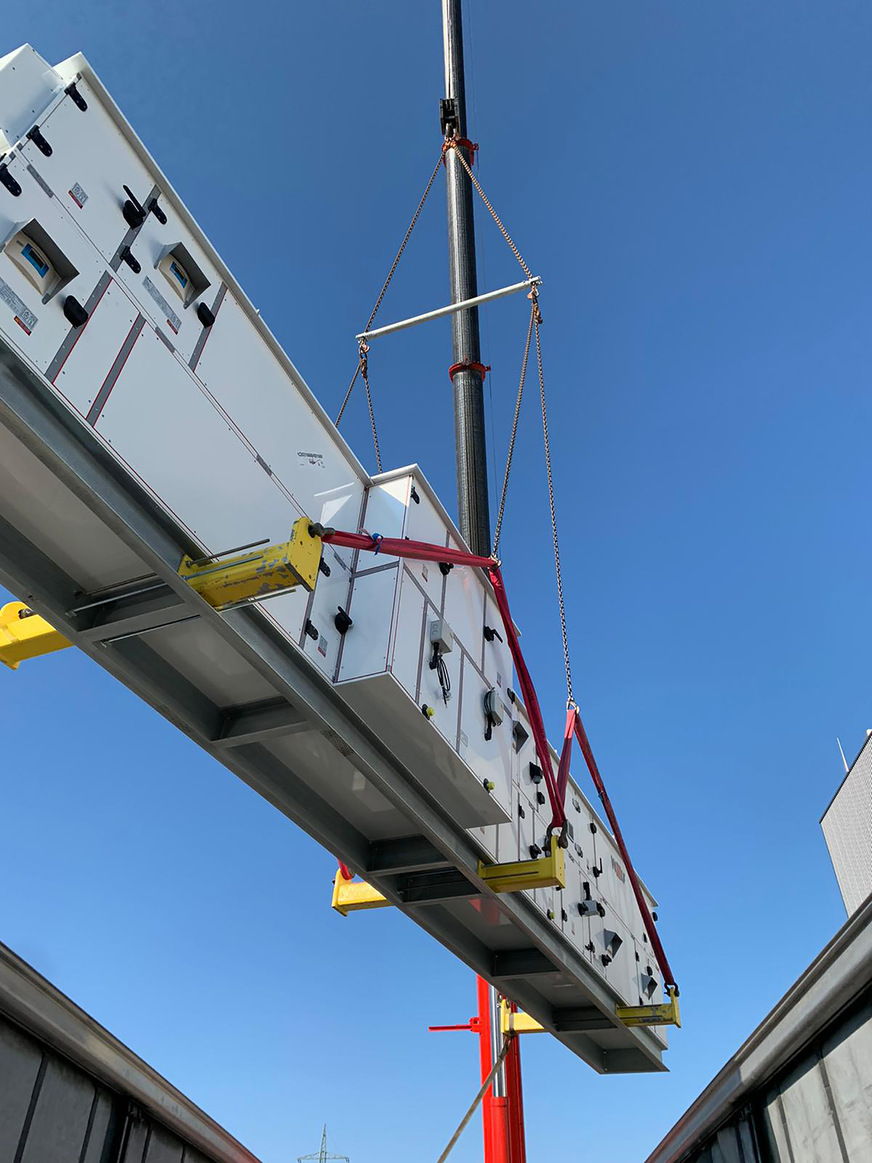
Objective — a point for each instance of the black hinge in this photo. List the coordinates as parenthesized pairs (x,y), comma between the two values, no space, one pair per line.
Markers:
(7,180)
(76,97)
(39,141)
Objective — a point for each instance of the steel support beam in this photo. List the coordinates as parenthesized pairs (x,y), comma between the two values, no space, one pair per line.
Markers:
(405,854)
(520,963)
(76,460)
(260,722)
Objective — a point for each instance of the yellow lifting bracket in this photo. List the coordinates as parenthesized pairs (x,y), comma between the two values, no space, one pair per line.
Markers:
(664,1014)
(546,872)
(258,573)
(25,635)
(351,895)
(519,1022)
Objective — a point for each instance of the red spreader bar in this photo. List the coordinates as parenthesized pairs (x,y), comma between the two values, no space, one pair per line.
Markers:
(648,920)
(423,551)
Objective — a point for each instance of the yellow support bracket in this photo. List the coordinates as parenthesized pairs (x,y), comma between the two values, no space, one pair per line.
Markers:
(25,635)
(547,872)
(260,572)
(351,895)
(517,1023)
(664,1014)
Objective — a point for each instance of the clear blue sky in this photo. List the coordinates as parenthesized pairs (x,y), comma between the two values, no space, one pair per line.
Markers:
(693,181)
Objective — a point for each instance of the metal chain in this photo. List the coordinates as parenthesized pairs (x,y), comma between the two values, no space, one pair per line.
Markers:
(458,150)
(560,601)
(387,283)
(504,494)
(363,364)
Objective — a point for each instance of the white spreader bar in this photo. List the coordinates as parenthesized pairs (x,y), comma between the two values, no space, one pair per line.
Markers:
(449,310)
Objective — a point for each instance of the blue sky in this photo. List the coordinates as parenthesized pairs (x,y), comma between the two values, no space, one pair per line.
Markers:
(692,181)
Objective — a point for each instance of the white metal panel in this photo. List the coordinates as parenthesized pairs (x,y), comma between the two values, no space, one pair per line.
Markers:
(248,382)
(491,759)
(58,523)
(365,649)
(424,523)
(166,430)
(446,713)
(90,155)
(84,371)
(27,85)
(464,609)
(408,649)
(51,326)
(386,503)
(388,710)
(148,248)
(330,593)
(496,659)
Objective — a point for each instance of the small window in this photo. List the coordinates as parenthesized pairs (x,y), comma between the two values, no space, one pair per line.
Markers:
(177,265)
(39,259)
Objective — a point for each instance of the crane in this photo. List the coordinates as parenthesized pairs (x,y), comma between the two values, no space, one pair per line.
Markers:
(322,1155)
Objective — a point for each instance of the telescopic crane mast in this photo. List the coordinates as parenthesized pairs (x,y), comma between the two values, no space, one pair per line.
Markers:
(502,1108)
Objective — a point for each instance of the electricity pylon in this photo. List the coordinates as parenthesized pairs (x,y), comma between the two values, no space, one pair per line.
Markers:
(322,1155)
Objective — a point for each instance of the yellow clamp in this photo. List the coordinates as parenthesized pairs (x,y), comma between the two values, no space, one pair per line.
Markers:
(519,1022)
(663,1014)
(547,872)
(258,573)
(25,635)
(351,895)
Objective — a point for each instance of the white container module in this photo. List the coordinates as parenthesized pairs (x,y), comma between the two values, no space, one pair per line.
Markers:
(416,664)
(124,323)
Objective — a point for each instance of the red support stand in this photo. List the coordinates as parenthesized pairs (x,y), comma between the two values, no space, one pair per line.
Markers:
(502,1116)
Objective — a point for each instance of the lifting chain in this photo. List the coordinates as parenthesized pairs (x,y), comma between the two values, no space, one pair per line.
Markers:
(363,365)
(361,360)
(499,525)
(537,322)
(452,144)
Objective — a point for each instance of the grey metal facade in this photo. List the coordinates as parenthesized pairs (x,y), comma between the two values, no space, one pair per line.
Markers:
(847,828)
(71,1093)
(800,1089)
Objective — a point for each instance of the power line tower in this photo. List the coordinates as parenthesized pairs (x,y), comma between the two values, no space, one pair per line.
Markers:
(322,1155)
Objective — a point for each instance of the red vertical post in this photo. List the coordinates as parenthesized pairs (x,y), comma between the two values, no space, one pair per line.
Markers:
(515,1104)
(502,1117)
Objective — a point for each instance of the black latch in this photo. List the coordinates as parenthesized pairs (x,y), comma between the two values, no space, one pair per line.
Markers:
(133,262)
(535,773)
(490,634)
(342,621)
(9,182)
(76,97)
(445,568)
(39,141)
(540,797)
(205,315)
(134,212)
(75,312)
(414,496)
(324,567)
(521,813)
(157,211)
(312,630)
(535,851)
(449,117)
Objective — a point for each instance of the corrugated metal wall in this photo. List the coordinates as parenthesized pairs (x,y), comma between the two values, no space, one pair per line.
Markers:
(819,1110)
(53,1112)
